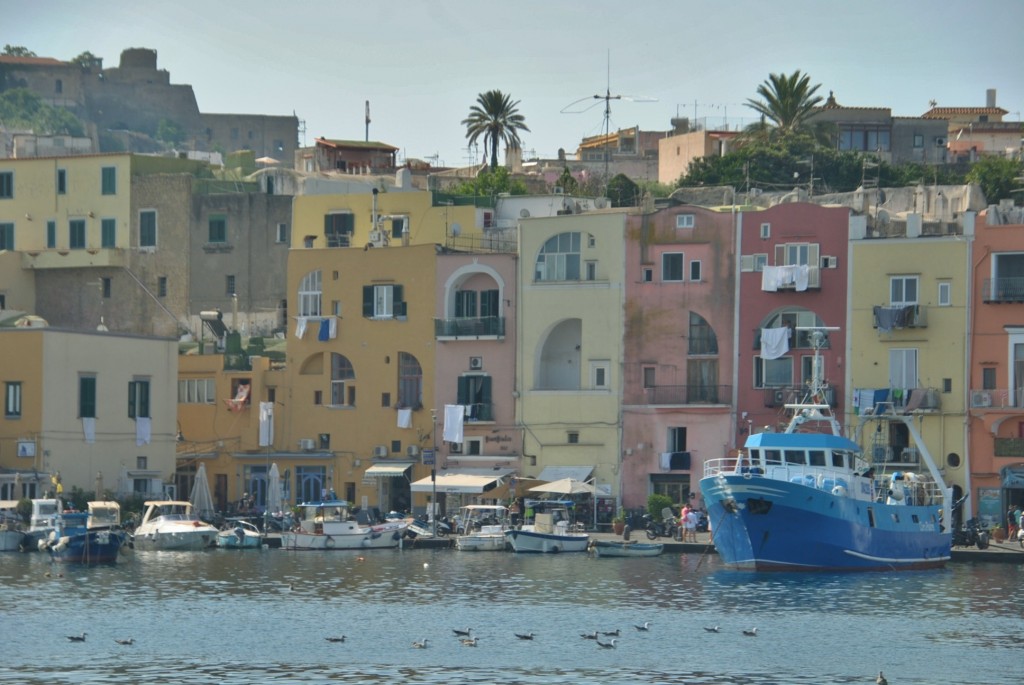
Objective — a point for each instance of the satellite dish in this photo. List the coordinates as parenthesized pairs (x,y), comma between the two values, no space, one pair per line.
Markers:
(524,213)
(456,230)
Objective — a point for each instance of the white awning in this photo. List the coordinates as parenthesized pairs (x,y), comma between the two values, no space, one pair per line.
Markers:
(553,473)
(388,470)
(462,481)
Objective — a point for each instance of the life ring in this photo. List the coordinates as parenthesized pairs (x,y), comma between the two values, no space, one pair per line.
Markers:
(329,542)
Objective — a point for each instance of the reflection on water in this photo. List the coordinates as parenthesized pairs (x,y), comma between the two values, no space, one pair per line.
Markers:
(228,616)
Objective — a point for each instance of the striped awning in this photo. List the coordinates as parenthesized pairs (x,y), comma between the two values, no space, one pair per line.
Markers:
(388,470)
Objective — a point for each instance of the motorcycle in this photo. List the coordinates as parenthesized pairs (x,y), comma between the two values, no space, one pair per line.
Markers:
(971,534)
(423,527)
(668,528)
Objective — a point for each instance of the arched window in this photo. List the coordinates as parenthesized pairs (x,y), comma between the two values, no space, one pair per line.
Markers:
(343,387)
(559,259)
(410,382)
(702,366)
(309,294)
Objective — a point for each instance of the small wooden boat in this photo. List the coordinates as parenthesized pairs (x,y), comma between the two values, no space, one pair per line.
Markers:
(240,534)
(626,548)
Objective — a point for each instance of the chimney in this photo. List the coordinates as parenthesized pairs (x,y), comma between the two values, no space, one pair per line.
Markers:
(990,97)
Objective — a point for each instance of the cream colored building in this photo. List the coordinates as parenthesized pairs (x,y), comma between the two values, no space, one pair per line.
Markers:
(906,335)
(570,349)
(99,408)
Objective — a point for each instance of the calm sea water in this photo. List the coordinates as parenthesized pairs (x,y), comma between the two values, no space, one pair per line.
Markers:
(262,616)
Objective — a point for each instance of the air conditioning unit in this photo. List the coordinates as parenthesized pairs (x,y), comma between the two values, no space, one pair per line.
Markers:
(455,448)
(981,399)
(476,363)
(910,455)
(413,451)
(307,444)
(380,451)
(778,398)
(881,453)
(828,262)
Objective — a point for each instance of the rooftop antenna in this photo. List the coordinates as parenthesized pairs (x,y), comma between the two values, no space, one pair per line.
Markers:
(367,121)
(574,108)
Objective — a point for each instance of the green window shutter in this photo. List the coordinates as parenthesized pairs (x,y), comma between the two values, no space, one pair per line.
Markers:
(463,395)
(368,301)
(398,302)
(51,234)
(108,237)
(143,403)
(133,391)
(87,397)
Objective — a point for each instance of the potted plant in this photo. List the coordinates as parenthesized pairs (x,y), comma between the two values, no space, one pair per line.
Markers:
(997,533)
(619,522)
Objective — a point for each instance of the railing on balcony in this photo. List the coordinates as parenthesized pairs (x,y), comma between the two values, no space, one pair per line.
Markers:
(780,396)
(688,394)
(893,454)
(797,340)
(480,411)
(479,327)
(1009,447)
(1007,289)
(903,316)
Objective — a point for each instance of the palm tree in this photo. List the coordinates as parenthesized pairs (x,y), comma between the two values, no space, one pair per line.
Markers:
(494,116)
(788,102)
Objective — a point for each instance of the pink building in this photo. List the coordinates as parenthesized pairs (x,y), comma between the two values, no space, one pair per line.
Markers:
(677,376)
(792,274)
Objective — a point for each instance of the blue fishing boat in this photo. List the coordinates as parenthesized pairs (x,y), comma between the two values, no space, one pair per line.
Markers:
(805,499)
(93,537)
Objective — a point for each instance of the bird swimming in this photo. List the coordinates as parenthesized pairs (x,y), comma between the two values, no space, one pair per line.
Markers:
(589,636)
(526,636)
(77,638)
(462,633)
(750,633)
(880,680)
(611,633)
(607,645)
(645,626)
(711,629)
(468,641)
(420,645)
(340,638)
(128,643)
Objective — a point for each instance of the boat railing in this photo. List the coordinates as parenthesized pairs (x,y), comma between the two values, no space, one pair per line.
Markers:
(713,467)
(917,490)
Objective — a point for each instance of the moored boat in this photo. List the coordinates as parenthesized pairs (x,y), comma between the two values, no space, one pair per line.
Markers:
(92,537)
(172,525)
(12,537)
(551,532)
(41,521)
(330,525)
(806,500)
(626,548)
(482,527)
(240,534)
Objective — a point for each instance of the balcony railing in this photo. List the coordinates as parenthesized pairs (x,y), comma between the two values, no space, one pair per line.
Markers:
(904,316)
(1006,290)
(486,326)
(1009,447)
(995,398)
(688,394)
(783,395)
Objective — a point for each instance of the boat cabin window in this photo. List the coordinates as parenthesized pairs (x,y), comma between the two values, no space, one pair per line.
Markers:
(838,459)
(796,457)
(817,457)
(773,457)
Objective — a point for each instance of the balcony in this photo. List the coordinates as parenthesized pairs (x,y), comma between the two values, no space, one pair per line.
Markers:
(1006,290)
(782,395)
(73,259)
(894,455)
(898,317)
(688,394)
(486,327)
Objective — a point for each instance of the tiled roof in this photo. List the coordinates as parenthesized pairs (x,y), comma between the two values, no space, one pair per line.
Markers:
(364,144)
(32,61)
(943,112)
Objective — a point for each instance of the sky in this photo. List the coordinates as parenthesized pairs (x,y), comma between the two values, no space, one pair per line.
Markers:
(421,65)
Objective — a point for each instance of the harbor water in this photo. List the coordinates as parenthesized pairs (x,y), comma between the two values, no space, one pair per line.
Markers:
(230,616)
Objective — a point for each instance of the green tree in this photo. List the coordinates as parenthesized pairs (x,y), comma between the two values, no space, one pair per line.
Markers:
(22,108)
(567,182)
(170,132)
(495,117)
(18,51)
(786,104)
(87,60)
(623,192)
(489,183)
(997,176)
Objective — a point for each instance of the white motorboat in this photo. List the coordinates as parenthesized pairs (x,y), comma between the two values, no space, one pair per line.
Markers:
(550,532)
(240,534)
(42,521)
(329,525)
(172,525)
(482,527)
(12,537)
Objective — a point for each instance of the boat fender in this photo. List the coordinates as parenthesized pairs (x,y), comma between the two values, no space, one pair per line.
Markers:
(839,491)
(329,542)
(396,535)
(365,542)
(747,475)
(555,550)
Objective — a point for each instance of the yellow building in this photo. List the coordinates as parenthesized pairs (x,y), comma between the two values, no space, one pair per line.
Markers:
(570,355)
(906,335)
(99,408)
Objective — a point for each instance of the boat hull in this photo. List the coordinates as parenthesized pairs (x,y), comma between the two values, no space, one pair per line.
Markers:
(546,543)
(492,542)
(763,524)
(93,547)
(176,539)
(13,541)
(371,539)
(228,540)
(610,548)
